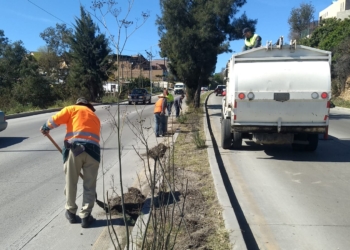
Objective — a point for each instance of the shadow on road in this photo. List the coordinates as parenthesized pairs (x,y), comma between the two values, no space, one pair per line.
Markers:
(9,141)
(331,150)
(339,117)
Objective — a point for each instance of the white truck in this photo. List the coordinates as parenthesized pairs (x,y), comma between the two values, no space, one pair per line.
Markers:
(179,88)
(277,95)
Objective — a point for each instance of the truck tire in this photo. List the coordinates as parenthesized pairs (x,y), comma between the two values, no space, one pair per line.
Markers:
(129,103)
(237,140)
(313,142)
(226,135)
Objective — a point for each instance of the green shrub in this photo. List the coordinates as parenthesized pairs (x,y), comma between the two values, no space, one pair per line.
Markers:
(182,118)
(197,140)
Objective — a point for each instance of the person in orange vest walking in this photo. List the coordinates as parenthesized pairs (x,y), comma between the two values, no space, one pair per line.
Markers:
(81,151)
(159,115)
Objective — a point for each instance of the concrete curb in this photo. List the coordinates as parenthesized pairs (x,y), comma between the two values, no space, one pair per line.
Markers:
(228,214)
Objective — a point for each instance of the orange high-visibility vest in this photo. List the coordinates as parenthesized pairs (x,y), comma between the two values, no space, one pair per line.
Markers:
(83,125)
(158,106)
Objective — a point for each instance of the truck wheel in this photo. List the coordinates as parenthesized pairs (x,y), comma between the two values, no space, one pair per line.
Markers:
(237,140)
(226,135)
(313,142)
(129,103)
(216,94)
(144,102)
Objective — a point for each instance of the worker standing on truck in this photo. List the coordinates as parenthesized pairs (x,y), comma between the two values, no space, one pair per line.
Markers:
(251,40)
(81,151)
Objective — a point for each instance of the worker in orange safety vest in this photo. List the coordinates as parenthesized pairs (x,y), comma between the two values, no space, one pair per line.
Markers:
(81,151)
(159,115)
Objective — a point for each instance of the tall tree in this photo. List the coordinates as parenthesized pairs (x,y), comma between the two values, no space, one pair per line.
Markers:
(89,51)
(300,19)
(57,39)
(31,87)
(194,32)
(3,41)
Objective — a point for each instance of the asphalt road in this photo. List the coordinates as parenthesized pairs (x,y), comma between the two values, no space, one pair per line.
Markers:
(32,179)
(292,200)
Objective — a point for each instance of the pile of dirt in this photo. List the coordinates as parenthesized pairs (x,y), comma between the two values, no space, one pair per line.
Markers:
(157,151)
(133,201)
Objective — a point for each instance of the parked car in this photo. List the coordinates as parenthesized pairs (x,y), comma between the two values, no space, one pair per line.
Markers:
(3,122)
(204,88)
(218,89)
(140,95)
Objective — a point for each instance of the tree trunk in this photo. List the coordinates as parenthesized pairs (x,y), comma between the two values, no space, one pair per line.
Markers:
(197,95)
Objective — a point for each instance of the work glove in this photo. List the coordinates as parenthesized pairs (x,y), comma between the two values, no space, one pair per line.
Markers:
(44,131)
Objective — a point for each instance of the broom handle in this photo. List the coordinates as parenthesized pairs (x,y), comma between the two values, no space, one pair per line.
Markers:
(59,149)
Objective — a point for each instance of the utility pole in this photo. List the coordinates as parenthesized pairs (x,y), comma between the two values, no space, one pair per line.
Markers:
(150,67)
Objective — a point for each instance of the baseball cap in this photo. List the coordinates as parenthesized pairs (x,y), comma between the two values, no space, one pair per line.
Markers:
(245,30)
(82,100)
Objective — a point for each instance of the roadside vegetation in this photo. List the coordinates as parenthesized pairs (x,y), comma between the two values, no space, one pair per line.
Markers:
(330,34)
(194,221)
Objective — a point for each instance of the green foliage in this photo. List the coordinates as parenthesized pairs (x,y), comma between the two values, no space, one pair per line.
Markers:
(182,118)
(31,88)
(194,33)
(300,18)
(89,54)
(330,33)
(57,39)
(340,102)
(198,140)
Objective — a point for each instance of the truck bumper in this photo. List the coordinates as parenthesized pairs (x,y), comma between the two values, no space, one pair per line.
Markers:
(284,129)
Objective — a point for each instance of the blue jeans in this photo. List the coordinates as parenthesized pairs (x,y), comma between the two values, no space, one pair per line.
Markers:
(168,107)
(177,110)
(159,121)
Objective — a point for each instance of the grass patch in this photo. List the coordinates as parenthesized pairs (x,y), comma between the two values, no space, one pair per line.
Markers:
(198,140)
(182,118)
(340,102)
(203,215)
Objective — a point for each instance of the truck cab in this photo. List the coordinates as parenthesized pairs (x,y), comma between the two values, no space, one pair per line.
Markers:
(277,95)
(179,88)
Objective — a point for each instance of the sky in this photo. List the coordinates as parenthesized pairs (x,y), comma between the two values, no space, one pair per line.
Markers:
(25,19)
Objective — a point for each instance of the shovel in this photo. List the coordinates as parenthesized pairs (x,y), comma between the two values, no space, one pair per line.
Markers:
(101,204)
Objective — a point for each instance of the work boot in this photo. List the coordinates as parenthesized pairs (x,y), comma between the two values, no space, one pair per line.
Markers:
(71,217)
(86,222)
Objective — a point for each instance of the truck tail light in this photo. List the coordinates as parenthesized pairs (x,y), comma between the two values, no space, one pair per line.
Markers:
(314,95)
(328,104)
(241,96)
(250,95)
(324,95)
(235,104)
(325,117)
(234,117)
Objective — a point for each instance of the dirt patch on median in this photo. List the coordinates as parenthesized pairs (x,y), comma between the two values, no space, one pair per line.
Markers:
(194,221)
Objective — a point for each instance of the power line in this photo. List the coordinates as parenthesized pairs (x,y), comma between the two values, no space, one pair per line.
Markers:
(49,13)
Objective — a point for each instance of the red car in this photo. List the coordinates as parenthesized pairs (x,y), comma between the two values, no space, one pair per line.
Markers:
(218,90)
(223,92)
